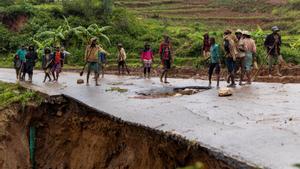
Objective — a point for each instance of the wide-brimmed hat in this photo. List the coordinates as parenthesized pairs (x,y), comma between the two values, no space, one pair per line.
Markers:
(120,45)
(238,31)
(147,44)
(246,33)
(275,29)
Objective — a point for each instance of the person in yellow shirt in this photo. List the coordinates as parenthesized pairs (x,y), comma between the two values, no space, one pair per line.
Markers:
(91,58)
(122,59)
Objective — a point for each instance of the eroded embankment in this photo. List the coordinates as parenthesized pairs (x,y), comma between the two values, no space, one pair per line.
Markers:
(69,135)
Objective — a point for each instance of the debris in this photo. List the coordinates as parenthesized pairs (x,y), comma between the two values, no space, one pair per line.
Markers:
(59,113)
(117,89)
(80,81)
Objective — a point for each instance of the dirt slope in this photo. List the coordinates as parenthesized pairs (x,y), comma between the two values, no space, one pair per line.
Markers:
(70,135)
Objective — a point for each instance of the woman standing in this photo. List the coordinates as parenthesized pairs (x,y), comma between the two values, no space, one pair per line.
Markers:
(147,58)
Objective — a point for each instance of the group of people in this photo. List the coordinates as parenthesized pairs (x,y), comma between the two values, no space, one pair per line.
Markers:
(95,58)
(52,62)
(239,49)
(240,54)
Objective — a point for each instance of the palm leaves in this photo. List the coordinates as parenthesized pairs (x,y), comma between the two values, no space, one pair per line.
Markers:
(67,33)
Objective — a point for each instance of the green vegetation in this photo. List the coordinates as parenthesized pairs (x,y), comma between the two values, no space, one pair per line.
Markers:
(72,23)
(198,165)
(117,89)
(11,93)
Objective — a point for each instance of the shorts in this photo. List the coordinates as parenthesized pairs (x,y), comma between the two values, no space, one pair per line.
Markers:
(93,66)
(206,54)
(272,59)
(147,63)
(248,61)
(167,64)
(56,68)
(121,63)
(230,64)
(214,66)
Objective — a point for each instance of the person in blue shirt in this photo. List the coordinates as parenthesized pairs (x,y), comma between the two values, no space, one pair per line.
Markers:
(214,61)
(19,61)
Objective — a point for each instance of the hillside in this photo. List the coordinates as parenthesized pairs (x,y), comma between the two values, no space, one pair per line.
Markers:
(248,13)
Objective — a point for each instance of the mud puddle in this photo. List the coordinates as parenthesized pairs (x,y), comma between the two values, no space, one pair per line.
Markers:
(64,134)
(170,92)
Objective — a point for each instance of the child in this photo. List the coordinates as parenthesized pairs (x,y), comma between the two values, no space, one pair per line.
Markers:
(214,61)
(102,60)
(47,63)
(147,58)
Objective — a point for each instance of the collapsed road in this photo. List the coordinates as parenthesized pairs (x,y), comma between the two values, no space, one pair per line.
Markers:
(257,126)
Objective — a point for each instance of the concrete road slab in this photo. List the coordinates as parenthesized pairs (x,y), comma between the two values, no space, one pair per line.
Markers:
(259,124)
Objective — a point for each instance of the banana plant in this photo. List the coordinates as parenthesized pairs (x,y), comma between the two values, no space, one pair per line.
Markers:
(54,36)
(97,31)
(42,45)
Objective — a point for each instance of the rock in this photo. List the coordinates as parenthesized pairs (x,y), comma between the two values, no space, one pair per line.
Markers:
(223,92)
(59,113)
(80,81)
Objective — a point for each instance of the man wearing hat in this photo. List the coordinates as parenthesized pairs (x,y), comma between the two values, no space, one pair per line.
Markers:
(91,58)
(230,46)
(250,52)
(273,44)
(241,54)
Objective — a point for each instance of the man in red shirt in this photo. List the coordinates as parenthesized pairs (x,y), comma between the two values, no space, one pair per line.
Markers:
(58,61)
(166,58)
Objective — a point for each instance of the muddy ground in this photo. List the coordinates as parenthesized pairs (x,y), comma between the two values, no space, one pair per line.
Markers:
(70,135)
(290,74)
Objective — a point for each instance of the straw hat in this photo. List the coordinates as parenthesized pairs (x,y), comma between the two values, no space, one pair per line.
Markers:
(246,33)
(238,31)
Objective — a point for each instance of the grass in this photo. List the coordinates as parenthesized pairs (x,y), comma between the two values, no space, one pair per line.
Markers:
(12,93)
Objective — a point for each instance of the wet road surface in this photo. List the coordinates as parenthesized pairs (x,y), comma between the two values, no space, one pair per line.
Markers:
(259,124)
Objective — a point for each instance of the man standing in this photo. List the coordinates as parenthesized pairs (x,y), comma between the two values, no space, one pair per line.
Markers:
(214,61)
(241,55)
(31,59)
(250,51)
(273,44)
(206,46)
(166,58)
(230,46)
(122,59)
(91,58)
(58,62)
(102,60)
(19,61)
(66,54)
